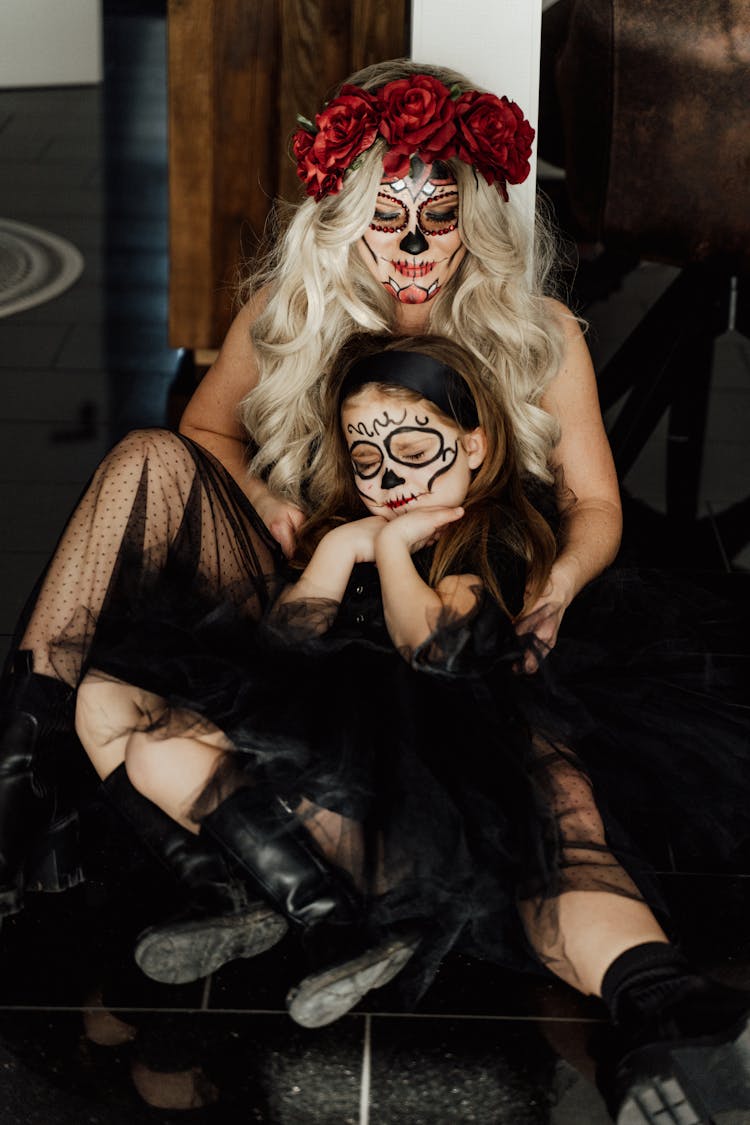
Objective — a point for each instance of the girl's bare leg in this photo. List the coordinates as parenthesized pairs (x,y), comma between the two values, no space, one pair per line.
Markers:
(170,771)
(589,930)
(218,923)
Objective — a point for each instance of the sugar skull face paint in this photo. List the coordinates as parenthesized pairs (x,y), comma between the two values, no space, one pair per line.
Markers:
(404,455)
(413,245)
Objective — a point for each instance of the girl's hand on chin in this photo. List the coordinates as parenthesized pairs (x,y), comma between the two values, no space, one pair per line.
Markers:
(359,537)
(422,526)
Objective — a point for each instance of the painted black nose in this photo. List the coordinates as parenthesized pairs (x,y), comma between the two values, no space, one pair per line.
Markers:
(390,480)
(413,242)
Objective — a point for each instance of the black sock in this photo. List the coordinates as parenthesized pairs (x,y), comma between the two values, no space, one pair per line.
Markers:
(640,980)
(652,991)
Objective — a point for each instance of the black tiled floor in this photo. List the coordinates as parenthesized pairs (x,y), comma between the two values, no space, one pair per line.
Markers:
(484,1045)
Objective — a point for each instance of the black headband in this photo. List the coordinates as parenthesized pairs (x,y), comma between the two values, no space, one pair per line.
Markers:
(421,373)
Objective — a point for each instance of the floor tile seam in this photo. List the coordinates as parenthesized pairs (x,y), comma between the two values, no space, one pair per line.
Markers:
(64,371)
(206,995)
(365,1074)
(42,216)
(690,873)
(364,1016)
(66,335)
(139,1009)
(721,443)
(483,1017)
(713,515)
(40,159)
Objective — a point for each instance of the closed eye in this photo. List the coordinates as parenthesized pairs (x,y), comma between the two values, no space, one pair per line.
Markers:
(386,216)
(366,468)
(449,216)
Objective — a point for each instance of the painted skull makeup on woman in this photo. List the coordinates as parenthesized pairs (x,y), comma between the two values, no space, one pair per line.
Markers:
(413,245)
(404,454)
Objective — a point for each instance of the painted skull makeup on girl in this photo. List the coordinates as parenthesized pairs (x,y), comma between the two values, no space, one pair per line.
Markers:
(413,245)
(403,454)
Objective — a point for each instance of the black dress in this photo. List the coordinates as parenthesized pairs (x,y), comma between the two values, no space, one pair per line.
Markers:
(458,786)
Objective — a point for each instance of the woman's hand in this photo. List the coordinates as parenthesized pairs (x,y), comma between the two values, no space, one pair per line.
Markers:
(543,618)
(543,623)
(282,518)
(421,526)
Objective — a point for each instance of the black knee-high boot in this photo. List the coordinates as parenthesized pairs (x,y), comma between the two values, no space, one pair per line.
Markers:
(38,834)
(680,1048)
(262,834)
(267,840)
(218,923)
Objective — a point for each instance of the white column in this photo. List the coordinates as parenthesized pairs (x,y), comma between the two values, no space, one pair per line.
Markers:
(496,43)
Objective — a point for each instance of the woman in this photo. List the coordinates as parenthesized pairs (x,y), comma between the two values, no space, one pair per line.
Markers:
(410,229)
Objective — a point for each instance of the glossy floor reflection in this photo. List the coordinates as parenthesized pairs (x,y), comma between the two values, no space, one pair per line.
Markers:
(484,1046)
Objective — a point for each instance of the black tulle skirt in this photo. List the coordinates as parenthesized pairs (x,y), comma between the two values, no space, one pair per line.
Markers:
(455,787)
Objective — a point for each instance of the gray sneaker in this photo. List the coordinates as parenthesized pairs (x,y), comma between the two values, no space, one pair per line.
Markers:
(189,948)
(326,996)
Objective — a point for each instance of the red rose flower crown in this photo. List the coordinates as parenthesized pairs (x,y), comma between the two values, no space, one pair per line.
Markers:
(417,116)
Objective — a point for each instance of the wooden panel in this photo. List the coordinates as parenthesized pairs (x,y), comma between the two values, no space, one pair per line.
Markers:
(379,31)
(222,155)
(239,73)
(322,42)
(315,52)
(246,137)
(191,155)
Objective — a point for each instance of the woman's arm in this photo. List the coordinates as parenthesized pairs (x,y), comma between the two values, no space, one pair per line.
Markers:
(592,525)
(211,418)
(411,607)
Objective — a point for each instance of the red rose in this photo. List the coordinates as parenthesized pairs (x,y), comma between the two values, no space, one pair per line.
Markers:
(494,136)
(417,116)
(346,128)
(396,165)
(302,143)
(317,181)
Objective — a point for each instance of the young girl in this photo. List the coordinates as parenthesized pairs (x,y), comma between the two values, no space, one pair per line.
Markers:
(450,481)
(377,766)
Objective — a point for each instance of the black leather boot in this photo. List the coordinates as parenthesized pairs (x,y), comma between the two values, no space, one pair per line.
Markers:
(218,924)
(38,835)
(265,838)
(678,1051)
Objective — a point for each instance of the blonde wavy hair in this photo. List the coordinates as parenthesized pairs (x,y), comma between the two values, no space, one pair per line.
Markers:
(321,292)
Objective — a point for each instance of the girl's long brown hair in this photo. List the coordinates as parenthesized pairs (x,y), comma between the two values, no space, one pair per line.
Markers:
(499,517)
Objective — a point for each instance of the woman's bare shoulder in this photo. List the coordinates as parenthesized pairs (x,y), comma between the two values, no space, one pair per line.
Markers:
(562,315)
